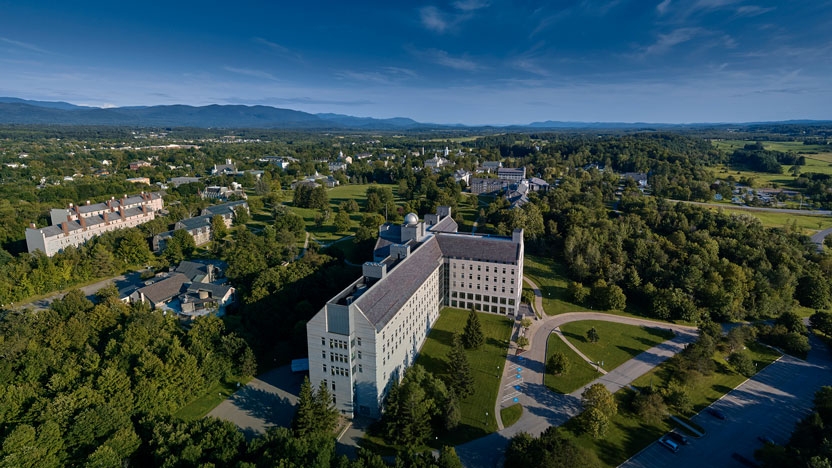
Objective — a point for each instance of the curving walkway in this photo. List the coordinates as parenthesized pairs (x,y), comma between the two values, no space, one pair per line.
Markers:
(523,379)
(583,356)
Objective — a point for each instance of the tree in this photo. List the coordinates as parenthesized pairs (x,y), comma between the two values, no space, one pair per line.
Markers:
(742,363)
(218,228)
(822,321)
(461,380)
(342,221)
(133,248)
(551,450)
(241,216)
(650,407)
(522,342)
(594,422)
(448,458)
(557,364)
(326,416)
(823,403)
(597,396)
(576,292)
(472,337)
(180,246)
(304,421)
(592,335)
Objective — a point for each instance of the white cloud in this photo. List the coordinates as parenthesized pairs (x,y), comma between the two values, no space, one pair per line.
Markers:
(753,10)
(441,57)
(24,45)
(665,42)
(433,19)
(662,7)
(470,5)
(251,72)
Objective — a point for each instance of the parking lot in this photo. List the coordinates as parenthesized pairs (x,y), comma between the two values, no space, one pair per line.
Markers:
(768,405)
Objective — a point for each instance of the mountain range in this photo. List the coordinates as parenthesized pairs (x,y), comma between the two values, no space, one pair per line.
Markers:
(21,111)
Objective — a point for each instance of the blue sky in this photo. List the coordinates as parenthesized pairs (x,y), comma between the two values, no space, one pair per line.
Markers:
(464,61)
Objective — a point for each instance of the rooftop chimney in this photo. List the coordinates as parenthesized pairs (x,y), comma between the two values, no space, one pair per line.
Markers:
(65,228)
(121,212)
(88,203)
(83,222)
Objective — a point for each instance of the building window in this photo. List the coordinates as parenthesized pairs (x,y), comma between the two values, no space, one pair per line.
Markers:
(359,341)
(359,355)
(360,368)
(323,354)
(323,341)
(333,386)
(324,366)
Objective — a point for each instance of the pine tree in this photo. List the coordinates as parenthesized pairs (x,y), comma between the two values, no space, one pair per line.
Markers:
(304,422)
(461,379)
(448,458)
(326,416)
(592,335)
(472,336)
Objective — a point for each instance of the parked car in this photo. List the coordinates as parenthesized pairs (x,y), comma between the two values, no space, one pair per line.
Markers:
(678,438)
(717,413)
(669,444)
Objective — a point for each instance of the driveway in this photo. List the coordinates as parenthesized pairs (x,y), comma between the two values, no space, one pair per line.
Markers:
(267,400)
(132,279)
(523,380)
(769,404)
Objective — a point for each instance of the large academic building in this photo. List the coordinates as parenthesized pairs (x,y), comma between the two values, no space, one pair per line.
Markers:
(76,224)
(366,336)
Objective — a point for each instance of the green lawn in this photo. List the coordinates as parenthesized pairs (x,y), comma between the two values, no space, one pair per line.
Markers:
(214,396)
(580,373)
(809,224)
(618,342)
(710,388)
(552,279)
(486,363)
(628,434)
(511,414)
(326,233)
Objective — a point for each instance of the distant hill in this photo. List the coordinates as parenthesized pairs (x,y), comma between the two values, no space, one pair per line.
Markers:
(21,111)
(369,122)
(47,104)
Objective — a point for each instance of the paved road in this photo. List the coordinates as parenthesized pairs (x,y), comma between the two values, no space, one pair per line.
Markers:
(122,281)
(523,379)
(538,297)
(267,400)
(819,237)
(769,404)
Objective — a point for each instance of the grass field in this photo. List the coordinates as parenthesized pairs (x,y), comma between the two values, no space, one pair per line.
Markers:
(511,414)
(618,343)
(486,364)
(784,146)
(809,224)
(213,397)
(552,279)
(580,373)
(628,434)
(326,233)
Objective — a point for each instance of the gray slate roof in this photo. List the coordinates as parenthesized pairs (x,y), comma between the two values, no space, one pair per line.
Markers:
(223,209)
(381,302)
(446,224)
(52,231)
(217,291)
(192,269)
(480,248)
(165,289)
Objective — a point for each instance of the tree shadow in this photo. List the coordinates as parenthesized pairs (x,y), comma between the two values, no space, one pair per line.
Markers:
(575,336)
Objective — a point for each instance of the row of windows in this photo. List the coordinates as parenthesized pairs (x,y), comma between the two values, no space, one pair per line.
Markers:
(333,343)
(486,287)
(481,307)
(479,268)
(479,297)
(487,278)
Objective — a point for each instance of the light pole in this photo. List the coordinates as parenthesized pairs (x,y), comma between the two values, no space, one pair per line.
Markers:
(486,417)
